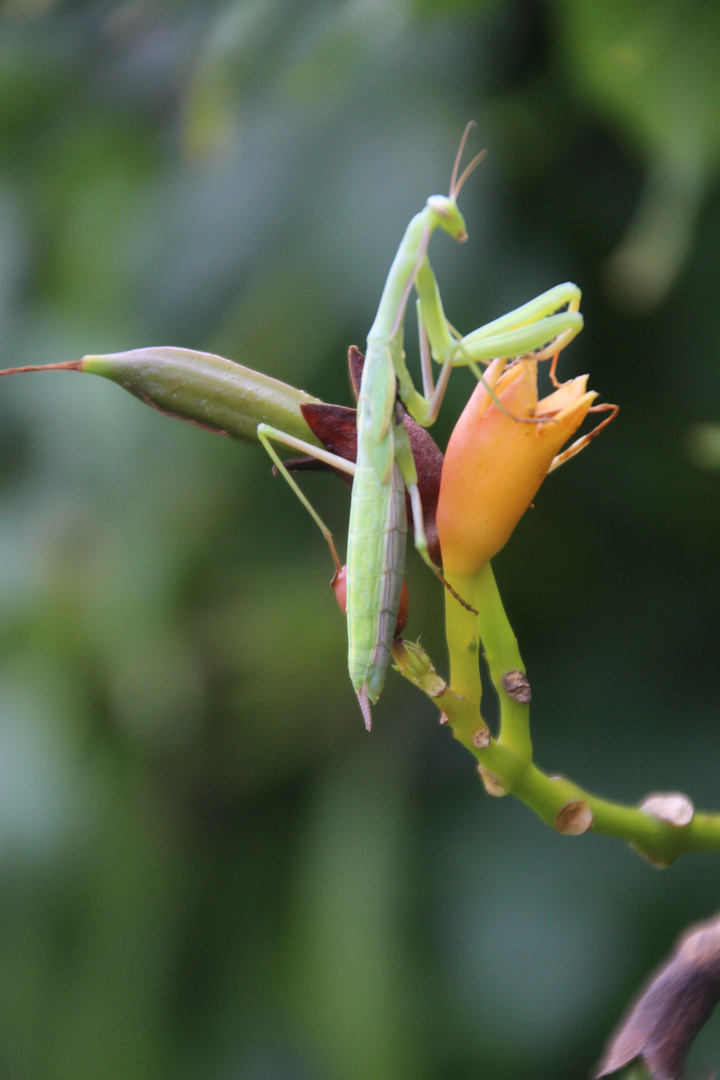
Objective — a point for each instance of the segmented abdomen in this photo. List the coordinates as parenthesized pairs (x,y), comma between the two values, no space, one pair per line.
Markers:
(375,563)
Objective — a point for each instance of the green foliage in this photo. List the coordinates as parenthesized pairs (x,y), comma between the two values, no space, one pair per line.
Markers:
(651,68)
(209,870)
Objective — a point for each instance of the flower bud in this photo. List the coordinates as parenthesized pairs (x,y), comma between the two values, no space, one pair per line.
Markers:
(207,390)
(498,457)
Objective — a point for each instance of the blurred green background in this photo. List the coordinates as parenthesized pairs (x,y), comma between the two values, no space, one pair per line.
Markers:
(207,868)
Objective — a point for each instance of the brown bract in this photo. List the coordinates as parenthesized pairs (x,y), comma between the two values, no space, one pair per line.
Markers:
(574,819)
(334,426)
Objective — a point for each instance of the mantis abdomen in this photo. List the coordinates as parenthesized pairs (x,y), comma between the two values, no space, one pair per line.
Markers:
(375,561)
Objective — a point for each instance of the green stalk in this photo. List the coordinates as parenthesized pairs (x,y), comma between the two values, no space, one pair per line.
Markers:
(463,640)
(504,662)
(559,802)
(466,632)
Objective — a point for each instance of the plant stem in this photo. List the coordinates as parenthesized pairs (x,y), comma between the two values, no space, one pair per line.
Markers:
(465,631)
(503,658)
(561,803)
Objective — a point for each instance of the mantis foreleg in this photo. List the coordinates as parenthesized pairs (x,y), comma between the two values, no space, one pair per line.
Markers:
(538,329)
(532,328)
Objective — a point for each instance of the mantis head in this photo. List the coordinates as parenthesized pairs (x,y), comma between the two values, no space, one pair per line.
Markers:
(447,216)
(444,207)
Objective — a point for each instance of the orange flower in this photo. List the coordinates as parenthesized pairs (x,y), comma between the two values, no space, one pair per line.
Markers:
(495,462)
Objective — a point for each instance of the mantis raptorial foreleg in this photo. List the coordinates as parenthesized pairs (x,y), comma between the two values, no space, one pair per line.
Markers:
(540,329)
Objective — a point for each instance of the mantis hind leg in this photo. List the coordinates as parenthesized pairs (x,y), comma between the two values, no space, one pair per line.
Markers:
(265,433)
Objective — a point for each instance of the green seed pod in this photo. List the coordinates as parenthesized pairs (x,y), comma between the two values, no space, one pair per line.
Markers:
(217,394)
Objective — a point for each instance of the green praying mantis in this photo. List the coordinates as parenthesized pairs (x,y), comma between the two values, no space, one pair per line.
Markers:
(385,466)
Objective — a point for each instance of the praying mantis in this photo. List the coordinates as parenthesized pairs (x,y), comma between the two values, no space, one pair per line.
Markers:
(385,466)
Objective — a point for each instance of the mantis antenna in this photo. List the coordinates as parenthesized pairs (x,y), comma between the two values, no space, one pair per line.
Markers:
(455,184)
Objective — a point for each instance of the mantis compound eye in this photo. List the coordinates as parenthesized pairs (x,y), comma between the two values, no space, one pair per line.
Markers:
(442,206)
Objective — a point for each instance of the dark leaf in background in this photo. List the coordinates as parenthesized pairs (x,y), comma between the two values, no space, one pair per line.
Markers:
(678,1000)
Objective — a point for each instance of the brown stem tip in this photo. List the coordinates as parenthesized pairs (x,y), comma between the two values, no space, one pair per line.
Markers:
(492,784)
(68,365)
(481,738)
